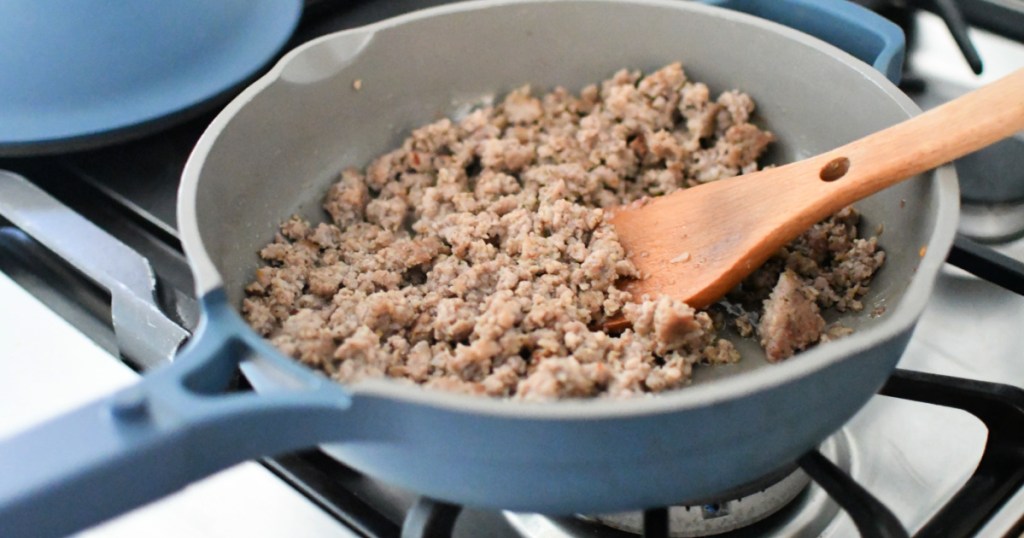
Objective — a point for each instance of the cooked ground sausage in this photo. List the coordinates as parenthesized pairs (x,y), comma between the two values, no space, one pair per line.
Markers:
(477,257)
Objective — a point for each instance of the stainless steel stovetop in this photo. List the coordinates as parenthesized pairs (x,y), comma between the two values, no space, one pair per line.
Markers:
(58,351)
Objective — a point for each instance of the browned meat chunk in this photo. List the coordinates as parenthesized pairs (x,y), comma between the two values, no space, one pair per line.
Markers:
(792,320)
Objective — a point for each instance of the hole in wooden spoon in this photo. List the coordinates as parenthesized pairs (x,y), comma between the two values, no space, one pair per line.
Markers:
(835,169)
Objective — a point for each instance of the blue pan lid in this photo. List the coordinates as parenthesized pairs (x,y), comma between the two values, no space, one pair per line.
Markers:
(75,74)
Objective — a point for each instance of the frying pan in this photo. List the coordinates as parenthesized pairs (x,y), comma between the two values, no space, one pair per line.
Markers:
(274,150)
(93,72)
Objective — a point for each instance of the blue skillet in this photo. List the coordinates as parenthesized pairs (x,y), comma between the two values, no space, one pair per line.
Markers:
(274,150)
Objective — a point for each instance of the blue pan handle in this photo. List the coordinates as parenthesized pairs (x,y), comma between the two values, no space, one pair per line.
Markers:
(853,28)
(177,425)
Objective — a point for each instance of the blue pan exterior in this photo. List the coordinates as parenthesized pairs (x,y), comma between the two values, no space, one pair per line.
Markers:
(863,34)
(161,434)
(584,466)
(177,425)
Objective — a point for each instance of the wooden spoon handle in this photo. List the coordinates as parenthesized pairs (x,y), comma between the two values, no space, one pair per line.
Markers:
(731,226)
(870,164)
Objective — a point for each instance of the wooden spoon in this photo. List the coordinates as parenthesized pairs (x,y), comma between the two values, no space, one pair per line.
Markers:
(697,244)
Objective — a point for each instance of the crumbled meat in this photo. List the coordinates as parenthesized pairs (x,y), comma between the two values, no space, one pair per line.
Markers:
(830,256)
(477,257)
(346,200)
(791,320)
(835,331)
(671,322)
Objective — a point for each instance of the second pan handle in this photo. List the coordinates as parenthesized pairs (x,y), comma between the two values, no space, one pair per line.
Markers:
(855,29)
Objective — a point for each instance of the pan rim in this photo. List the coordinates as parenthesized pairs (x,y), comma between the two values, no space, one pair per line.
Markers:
(899,320)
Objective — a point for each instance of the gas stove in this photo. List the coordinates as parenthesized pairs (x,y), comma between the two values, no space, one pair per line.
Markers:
(939,452)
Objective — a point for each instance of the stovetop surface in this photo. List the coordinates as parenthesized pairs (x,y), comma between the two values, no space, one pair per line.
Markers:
(911,456)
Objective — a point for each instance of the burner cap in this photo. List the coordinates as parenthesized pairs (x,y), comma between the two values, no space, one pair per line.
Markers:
(729,513)
(991,223)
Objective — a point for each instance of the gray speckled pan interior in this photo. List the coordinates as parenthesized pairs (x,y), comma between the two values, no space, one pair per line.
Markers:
(279,153)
